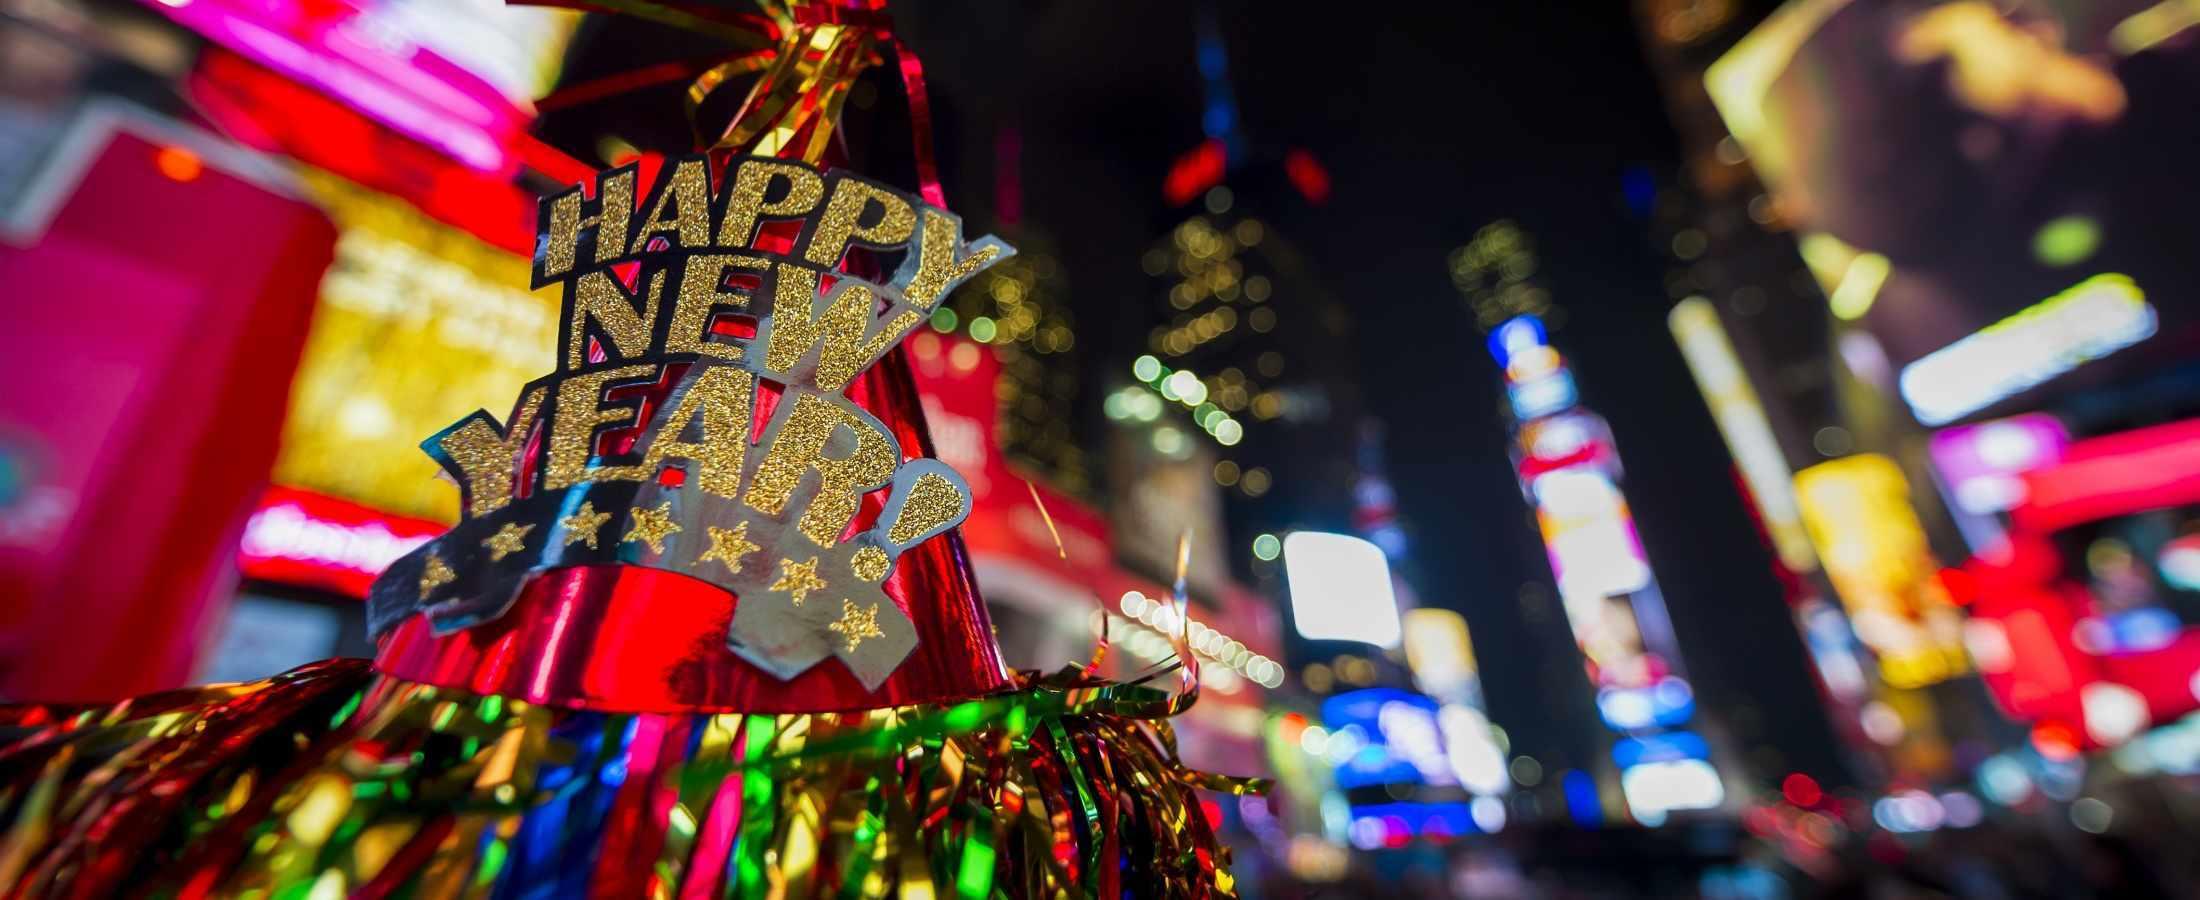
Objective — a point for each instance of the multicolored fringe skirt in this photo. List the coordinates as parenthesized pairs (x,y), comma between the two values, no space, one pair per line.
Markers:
(334,781)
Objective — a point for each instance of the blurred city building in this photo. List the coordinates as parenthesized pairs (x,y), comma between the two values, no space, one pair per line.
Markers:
(1249,353)
(1924,262)
(1660,753)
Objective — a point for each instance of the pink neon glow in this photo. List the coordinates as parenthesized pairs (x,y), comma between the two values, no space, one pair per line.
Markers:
(2150,468)
(409,88)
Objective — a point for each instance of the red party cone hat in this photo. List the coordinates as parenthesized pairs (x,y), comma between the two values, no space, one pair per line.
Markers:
(704,628)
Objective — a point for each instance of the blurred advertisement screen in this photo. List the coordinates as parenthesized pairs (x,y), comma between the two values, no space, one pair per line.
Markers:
(155,273)
(418,324)
(1981,185)
(1859,515)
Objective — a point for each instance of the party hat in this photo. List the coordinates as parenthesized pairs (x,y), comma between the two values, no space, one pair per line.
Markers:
(720,501)
(704,628)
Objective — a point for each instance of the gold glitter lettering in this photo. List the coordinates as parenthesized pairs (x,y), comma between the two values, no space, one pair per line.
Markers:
(746,203)
(574,423)
(598,297)
(869,564)
(800,447)
(933,501)
(700,295)
(688,187)
(937,267)
(853,201)
(837,336)
(484,458)
(614,207)
(717,399)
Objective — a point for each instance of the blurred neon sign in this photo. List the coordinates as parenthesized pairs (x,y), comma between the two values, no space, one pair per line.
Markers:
(1742,422)
(1590,536)
(1400,741)
(1569,468)
(2146,469)
(306,539)
(1536,379)
(2049,650)
(1857,510)
(1441,655)
(1654,789)
(2092,319)
(373,59)
(1983,464)
(1340,589)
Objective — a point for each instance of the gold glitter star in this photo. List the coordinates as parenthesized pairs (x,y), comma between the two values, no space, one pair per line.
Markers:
(652,526)
(856,624)
(583,524)
(729,545)
(798,579)
(510,539)
(435,573)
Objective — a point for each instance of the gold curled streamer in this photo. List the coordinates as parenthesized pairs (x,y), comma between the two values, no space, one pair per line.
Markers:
(806,70)
(787,96)
(1182,639)
(1101,642)
(715,77)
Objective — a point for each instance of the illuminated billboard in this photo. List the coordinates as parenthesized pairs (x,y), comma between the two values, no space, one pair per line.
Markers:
(1408,766)
(1979,469)
(1441,655)
(1857,510)
(1569,467)
(1743,423)
(2084,622)
(1340,589)
(1979,185)
(418,324)
(1590,536)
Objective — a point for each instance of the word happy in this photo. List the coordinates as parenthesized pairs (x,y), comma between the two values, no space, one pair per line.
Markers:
(726,291)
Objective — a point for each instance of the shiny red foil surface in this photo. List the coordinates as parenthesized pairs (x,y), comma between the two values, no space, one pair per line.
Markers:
(633,639)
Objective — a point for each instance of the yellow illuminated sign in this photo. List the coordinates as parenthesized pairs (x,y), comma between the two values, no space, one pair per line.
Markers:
(418,324)
(1439,651)
(1858,514)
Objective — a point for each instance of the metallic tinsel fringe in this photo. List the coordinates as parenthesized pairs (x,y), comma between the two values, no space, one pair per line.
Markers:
(332,781)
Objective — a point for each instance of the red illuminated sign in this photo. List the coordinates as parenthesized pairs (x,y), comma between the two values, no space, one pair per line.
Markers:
(302,538)
(1195,172)
(2027,617)
(2150,468)
(280,114)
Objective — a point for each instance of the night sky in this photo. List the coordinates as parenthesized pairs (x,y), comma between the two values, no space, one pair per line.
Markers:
(1430,125)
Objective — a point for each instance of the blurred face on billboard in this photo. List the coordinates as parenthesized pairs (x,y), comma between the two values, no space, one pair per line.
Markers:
(1948,165)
